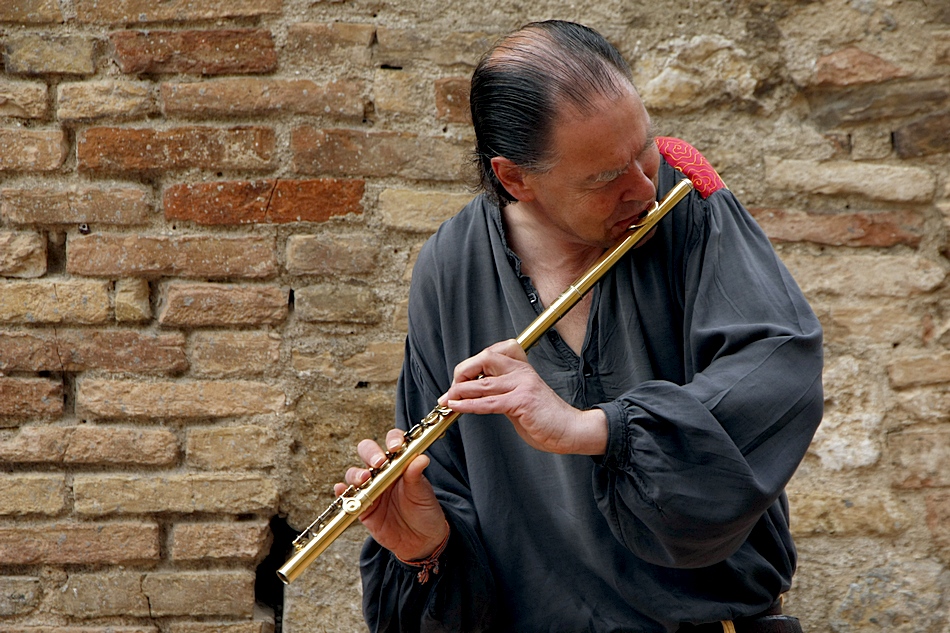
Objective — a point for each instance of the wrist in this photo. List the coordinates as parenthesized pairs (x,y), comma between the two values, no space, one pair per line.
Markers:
(594,433)
(428,564)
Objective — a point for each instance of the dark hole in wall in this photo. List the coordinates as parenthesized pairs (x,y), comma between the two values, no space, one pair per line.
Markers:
(268,589)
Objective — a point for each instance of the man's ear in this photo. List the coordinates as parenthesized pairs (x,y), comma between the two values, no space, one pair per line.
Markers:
(513,178)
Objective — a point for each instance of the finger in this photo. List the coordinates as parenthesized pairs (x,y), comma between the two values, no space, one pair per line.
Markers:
(414,470)
(356,476)
(394,439)
(510,348)
(371,454)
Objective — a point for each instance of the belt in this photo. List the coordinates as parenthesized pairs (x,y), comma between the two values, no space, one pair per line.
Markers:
(769,621)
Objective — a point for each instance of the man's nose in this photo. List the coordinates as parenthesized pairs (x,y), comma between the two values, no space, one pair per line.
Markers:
(637,185)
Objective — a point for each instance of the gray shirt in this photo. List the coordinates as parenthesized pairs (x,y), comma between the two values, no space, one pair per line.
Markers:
(706,359)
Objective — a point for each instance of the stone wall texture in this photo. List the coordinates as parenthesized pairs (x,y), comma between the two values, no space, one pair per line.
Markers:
(209,212)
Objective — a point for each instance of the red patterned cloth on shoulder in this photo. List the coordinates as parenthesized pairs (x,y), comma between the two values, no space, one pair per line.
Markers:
(687,159)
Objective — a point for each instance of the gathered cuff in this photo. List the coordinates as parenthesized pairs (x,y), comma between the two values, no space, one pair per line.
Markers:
(616,453)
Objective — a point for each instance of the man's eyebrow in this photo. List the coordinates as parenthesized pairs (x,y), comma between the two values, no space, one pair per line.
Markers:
(607,176)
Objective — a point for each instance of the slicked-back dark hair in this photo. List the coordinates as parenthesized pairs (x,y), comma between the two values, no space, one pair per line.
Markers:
(524,81)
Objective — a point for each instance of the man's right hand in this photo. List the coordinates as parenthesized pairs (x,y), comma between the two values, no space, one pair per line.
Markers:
(407,518)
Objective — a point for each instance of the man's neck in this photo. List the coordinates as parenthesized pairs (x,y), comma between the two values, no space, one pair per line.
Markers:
(543,248)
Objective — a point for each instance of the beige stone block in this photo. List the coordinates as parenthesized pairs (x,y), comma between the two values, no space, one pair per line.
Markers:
(55,301)
(231,447)
(32,150)
(87,444)
(380,362)
(18,594)
(101,594)
(105,99)
(233,353)
(22,254)
(845,515)
(421,211)
(894,183)
(132,301)
(23,99)
(920,457)
(864,276)
(915,371)
(32,494)
(401,92)
(223,305)
(194,256)
(241,540)
(189,399)
(260,97)
(31,11)
(77,350)
(309,42)
(80,544)
(39,53)
(138,11)
(98,495)
(204,593)
(326,303)
(76,205)
(327,255)
(405,46)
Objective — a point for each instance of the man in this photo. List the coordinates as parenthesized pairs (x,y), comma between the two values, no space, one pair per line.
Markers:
(628,473)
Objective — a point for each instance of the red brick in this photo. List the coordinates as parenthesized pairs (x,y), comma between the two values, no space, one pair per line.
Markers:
(252,96)
(31,11)
(344,152)
(846,229)
(110,149)
(31,150)
(79,543)
(137,11)
(205,52)
(451,99)
(264,201)
(204,305)
(243,540)
(93,205)
(84,350)
(851,66)
(22,398)
(186,256)
(90,444)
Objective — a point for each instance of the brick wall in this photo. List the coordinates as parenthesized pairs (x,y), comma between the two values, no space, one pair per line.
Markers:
(209,212)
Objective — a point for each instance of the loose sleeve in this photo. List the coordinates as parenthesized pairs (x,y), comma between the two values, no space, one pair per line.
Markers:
(691,468)
(460,597)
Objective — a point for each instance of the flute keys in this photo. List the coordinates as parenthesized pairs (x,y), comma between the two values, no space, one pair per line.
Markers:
(352,505)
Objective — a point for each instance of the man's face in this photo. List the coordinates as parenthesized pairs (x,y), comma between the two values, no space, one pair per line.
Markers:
(605,172)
